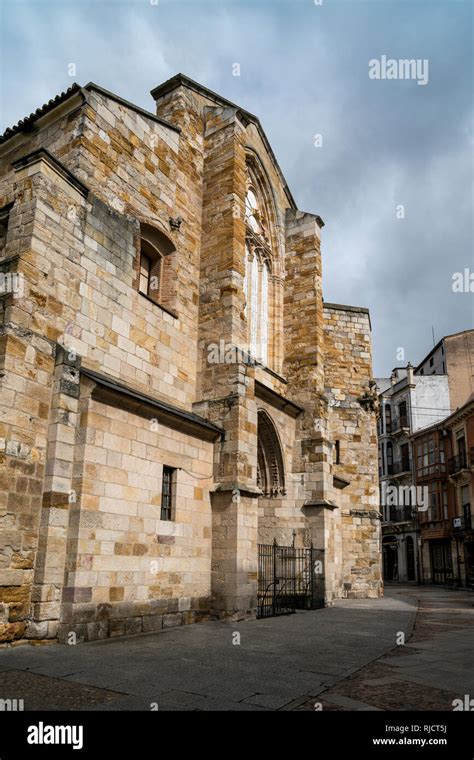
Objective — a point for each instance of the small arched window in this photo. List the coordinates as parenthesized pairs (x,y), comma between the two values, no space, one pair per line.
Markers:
(156,270)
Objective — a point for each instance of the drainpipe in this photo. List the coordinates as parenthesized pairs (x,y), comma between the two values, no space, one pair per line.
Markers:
(458,558)
(422,569)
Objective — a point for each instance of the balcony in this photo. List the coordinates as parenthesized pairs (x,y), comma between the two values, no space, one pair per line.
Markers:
(397,468)
(434,529)
(433,469)
(399,514)
(460,462)
(400,425)
(400,468)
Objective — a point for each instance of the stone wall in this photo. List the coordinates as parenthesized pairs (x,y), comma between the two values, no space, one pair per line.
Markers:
(89,365)
(348,371)
(225,390)
(128,570)
(279,516)
(31,325)
(77,258)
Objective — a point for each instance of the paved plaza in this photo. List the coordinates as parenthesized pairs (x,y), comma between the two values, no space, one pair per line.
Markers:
(346,657)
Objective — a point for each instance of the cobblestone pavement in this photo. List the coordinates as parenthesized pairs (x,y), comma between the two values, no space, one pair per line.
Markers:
(341,658)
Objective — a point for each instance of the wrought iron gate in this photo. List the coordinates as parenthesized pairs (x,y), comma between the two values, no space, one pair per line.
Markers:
(289,579)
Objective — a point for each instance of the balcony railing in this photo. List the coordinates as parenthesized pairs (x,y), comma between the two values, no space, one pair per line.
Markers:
(399,467)
(459,462)
(399,514)
(400,423)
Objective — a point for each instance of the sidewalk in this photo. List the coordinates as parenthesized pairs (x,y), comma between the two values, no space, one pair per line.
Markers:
(344,657)
(434,668)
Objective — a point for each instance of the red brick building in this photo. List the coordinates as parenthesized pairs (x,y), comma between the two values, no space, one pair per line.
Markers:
(443,456)
(460,426)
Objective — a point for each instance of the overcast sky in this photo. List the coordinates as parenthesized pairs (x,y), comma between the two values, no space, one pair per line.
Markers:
(304,71)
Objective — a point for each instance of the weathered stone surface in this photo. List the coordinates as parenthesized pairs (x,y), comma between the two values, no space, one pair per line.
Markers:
(152,623)
(11,631)
(84,543)
(172,620)
(36,630)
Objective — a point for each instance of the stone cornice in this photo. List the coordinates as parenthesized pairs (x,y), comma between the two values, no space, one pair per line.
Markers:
(345,307)
(91,86)
(319,503)
(44,155)
(340,482)
(113,391)
(277,400)
(243,488)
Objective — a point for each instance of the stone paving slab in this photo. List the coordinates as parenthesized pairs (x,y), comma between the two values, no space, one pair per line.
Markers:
(36,691)
(434,667)
(379,687)
(280,661)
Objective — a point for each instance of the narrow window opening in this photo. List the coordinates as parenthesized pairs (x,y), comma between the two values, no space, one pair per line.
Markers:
(167,492)
(145,267)
(156,272)
(4,217)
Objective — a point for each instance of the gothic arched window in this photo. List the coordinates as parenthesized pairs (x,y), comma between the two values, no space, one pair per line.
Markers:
(257,275)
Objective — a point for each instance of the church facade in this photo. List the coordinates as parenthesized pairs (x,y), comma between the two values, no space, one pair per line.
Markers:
(175,390)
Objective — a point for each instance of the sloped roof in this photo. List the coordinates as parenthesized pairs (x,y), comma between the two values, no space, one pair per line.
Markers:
(435,348)
(26,123)
(171,84)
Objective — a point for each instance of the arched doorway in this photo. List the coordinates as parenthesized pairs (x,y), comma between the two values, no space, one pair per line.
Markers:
(270,469)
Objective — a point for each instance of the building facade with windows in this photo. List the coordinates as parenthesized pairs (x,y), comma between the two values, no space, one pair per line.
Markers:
(175,391)
(417,496)
(408,402)
(445,466)
(431,451)
(453,356)
(460,429)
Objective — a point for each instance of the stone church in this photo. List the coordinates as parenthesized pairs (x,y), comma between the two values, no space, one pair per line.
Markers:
(175,391)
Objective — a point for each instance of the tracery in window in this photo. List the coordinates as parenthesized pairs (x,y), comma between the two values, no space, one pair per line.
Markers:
(257,276)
